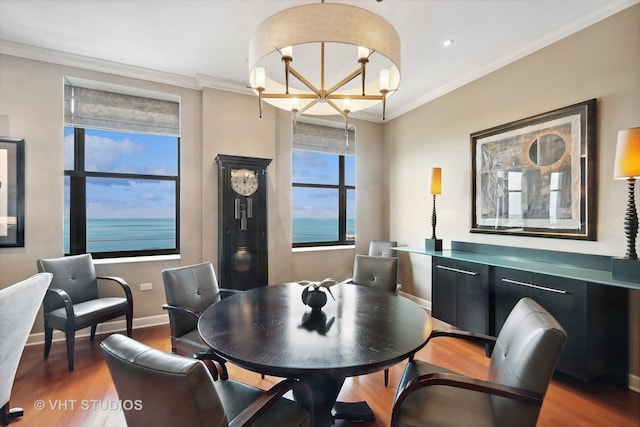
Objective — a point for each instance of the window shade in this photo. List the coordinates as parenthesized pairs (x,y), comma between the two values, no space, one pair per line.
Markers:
(324,139)
(91,108)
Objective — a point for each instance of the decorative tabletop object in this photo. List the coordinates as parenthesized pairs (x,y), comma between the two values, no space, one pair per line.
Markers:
(313,295)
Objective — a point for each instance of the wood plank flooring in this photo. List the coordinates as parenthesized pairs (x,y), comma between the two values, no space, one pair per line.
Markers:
(75,399)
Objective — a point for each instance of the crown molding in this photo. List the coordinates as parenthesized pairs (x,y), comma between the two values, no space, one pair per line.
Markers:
(94,64)
(221,84)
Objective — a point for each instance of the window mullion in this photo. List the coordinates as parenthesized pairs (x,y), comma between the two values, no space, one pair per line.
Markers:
(342,203)
(77,190)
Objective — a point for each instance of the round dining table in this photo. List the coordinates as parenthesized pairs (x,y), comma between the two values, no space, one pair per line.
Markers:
(270,330)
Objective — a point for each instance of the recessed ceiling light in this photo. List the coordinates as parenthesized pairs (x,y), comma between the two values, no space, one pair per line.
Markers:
(447,42)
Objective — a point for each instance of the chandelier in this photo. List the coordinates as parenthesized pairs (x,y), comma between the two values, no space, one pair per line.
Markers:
(312,42)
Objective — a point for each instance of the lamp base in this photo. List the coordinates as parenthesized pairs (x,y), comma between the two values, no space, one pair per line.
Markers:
(625,269)
(433,245)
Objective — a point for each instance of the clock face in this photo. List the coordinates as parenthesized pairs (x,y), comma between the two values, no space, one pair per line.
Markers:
(244,181)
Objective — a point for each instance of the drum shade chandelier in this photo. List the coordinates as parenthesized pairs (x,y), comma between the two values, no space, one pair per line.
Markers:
(317,38)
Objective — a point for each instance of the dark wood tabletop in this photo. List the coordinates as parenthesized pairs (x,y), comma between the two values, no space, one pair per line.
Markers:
(269,330)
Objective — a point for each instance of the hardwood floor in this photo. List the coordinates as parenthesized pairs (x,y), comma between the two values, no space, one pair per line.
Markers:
(78,398)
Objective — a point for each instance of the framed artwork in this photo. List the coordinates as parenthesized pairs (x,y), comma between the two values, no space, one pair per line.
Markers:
(537,176)
(11,192)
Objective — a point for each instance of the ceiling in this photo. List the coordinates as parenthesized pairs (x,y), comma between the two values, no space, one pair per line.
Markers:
(204,43)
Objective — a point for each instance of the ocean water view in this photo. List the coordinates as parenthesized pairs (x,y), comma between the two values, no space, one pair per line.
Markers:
(128,234)
(319,229)
(131,234)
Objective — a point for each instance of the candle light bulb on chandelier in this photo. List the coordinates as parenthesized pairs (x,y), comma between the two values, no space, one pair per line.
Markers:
(384,80)
(363,53)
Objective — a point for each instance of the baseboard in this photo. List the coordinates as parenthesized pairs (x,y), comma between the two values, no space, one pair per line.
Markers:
(421,302)
(104,328)
(634,383)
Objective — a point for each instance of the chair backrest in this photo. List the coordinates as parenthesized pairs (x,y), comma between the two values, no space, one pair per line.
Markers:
(161,389)
(75,274)
(382,248)
(19,305)
(377,272)
(525,356)
(194,287)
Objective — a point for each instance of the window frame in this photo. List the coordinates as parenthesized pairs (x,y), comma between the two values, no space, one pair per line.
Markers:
(342,206)
(77,200)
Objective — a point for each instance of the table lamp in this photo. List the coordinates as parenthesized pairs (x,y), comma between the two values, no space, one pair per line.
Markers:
(434,244)
(627,166)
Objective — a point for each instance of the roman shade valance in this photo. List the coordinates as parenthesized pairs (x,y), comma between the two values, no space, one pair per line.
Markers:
(324,139)
(92,108)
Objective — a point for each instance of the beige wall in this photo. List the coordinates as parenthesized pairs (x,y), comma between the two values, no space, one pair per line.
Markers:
(602,61)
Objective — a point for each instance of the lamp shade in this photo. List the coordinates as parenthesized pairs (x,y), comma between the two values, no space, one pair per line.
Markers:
(436,181)
(627,163)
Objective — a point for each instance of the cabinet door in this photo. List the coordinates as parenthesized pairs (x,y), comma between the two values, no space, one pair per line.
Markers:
(509,287)
(566,300)
(443,290)
(472,308)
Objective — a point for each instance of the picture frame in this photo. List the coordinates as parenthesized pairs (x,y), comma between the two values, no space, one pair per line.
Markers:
(11,192)
(537,176)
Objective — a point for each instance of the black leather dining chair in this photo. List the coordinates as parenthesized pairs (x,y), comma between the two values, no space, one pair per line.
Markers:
(382,248)
(523,360)
(73,300)
(378,272)
(190,290)
(171,390)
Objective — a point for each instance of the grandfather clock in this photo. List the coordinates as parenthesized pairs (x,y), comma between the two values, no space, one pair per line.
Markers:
(242,221)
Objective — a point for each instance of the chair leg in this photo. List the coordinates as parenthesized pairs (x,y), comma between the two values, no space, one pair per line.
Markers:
(386,377)
(93,332)
(6,414)
(71,339)
(48,337)
(129,324)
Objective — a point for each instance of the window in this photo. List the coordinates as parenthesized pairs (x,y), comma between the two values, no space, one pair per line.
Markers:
(121,188)
(323,187)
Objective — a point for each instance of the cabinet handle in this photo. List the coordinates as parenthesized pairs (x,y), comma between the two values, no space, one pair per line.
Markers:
(470,273)
(531,285)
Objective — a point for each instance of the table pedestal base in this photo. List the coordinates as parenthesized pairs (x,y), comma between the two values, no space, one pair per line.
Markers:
(357,412)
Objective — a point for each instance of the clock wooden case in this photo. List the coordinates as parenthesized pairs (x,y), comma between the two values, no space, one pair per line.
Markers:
(242,221)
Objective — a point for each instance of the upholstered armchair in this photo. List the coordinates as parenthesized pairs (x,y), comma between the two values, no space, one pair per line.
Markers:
(73,300)
(190,290)
(174,390)
(382,248)
(19,305)
(523,360)
(379,272)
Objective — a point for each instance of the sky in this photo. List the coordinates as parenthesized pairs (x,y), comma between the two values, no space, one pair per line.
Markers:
(108,151)
(121,152)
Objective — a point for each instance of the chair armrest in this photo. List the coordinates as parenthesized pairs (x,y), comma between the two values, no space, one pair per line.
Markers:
(473,384)
(66,299)
(121,282)
(250,414)
(195,314)
(226,292)
(469,336)
(218,363)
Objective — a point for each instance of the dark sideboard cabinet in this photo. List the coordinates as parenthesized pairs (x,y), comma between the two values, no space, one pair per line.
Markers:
(475,286)
(464,302)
